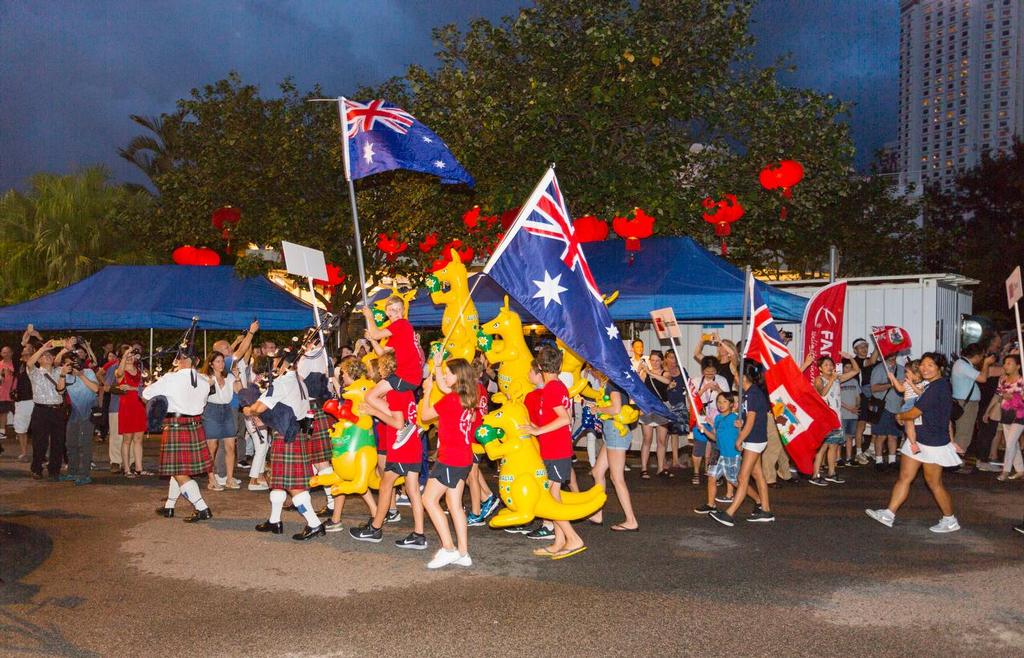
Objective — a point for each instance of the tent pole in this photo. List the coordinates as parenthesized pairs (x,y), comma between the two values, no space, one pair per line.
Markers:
(204,345)
(748,293)
(151,368)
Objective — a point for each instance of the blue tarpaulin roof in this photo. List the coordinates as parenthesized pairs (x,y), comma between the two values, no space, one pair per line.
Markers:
(161,297)
(675,272)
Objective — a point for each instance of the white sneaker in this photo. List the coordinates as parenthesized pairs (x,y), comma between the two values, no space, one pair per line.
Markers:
(221,480)
(259,486)
(443,557)
(946,524)
(464,561)
(984,466)
(883,516)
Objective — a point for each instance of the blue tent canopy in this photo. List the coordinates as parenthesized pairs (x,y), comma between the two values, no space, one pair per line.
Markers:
(674,272)
(161,297)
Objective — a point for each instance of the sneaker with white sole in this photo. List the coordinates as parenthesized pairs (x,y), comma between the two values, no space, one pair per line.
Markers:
(723,517)
(723,499)
(818,481)
(489,506)
(1019,528)
(946,524)
(443,557)
(834,479)
(760,516)
(883,516)
(519,529)
(542,532)
(464,561)
(403,500)
(403,435)
(259,486)
(393,516)
(367,532)
(475,520)
(331,526)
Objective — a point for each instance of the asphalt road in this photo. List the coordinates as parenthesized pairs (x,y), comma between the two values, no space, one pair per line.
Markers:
(91,571)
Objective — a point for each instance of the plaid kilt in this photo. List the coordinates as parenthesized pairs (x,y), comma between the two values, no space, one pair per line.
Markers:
(289,463)
(183,447)
(319,446)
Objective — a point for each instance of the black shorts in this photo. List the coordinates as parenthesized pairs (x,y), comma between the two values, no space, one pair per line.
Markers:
(6,407)
(399,384)
(382,452)
(449,476)
(558,469)
(403,469)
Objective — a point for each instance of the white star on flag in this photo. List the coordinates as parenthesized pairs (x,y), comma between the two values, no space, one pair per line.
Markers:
(368,152)
(549,289)
(439,164)
(613,331)
(427,140)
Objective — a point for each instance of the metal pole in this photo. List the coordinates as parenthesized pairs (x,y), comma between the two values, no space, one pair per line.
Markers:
(352,200)
(204,345)
(152,369)
(1016,314)
(748,293)
(316,318)
(833,258)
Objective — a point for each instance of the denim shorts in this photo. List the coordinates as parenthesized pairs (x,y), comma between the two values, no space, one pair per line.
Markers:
(850,426)
(219,422)
(886,425)
(613,440)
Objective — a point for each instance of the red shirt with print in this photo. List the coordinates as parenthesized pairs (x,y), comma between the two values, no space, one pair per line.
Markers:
(455,429)
(556,444)
(408,362)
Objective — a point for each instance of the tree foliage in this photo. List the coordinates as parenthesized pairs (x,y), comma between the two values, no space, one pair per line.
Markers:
(64,229)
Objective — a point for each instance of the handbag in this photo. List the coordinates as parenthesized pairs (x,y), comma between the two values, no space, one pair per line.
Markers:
(873,409)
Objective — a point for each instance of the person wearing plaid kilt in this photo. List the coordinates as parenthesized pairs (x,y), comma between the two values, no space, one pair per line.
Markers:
(283,406)
(313,368)
(183,451)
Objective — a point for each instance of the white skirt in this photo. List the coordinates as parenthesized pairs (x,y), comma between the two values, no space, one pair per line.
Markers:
(755,447)
(942,455)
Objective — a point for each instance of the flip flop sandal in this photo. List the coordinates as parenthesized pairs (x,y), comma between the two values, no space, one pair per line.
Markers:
(644,475)
(595,522)
(561,555)
(619,528)
(544,552)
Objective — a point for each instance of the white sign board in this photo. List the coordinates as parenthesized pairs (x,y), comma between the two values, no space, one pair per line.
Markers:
(303,261)
(665,324)
(1014,289)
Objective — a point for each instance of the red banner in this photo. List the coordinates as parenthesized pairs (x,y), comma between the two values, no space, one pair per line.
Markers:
(823,325)
(891,339)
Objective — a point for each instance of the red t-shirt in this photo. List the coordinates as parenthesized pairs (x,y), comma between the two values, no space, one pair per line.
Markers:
(532,403)
(556,444)
(412,450)
(408,363)
(455,428)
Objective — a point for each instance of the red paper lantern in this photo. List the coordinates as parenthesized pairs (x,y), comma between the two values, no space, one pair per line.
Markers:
(590,229)
(471,218)
(335,277)
(184,255)
(634,230)
(189,255)
(429,242)
(206,257)
(224,219)
(722,213)
(782,175)
(391,245)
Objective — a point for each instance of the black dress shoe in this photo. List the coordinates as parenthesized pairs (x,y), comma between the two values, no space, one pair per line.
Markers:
(166,512)
(205,515)
(268,526)
(308,533)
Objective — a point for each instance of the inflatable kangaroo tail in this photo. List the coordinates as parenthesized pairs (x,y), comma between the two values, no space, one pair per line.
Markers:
(551,509)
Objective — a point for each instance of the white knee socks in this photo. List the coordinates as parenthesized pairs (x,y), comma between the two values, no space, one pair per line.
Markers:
(190,490)
(304,506)
(277,498)
(173,491)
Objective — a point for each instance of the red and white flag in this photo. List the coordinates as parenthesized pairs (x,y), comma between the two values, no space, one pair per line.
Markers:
(823,325)
(891,340)
(802,416)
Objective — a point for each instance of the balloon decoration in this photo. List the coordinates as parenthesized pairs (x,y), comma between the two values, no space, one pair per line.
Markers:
(429,242)
(224,219)
(471,218)
(722,213)
(590,229)
(782,175)
(634,230)
(189,255)
(391,245)
(335,277)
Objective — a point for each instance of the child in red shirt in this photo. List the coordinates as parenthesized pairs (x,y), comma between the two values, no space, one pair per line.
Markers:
(458,416)
(408,359)
(551,427)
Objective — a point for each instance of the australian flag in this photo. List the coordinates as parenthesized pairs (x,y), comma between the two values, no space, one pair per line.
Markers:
(380,137)
(540,263)
(802,416)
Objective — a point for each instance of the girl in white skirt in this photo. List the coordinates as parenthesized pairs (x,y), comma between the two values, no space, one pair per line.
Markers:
(935,449)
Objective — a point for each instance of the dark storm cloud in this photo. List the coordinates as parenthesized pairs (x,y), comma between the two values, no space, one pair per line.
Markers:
(72,72)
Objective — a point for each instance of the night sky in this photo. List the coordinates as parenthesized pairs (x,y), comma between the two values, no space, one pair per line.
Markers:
(72,72)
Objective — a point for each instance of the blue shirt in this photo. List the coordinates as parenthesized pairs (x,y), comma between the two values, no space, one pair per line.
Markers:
(935,405)
(754,401)
(964,380)
(726,434)
(82,397)
(115,396)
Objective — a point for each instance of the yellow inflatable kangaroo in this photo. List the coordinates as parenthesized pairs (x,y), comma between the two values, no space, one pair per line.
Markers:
(627,414)
(511,354)
(459,321)
(353,448)
(522,478)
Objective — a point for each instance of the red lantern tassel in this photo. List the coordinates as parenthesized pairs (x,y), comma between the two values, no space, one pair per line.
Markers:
(725,250)
(632,244)
(784,213)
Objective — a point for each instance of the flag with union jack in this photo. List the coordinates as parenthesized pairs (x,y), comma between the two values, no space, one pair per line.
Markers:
(540,263)
(380,137)
(802,416)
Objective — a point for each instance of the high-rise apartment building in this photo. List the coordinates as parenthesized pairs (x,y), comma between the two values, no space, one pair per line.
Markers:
(961,85)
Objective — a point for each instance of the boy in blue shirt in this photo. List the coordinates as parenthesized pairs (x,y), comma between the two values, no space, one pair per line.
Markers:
(726,435)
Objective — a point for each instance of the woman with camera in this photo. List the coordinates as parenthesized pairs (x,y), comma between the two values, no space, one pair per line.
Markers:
(131,414)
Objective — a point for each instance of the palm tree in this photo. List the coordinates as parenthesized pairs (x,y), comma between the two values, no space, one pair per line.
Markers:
(154,153)
(64,229)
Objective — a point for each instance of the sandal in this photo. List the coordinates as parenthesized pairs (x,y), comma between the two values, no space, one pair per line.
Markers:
(213,486)
(644,475)
(569,552)
(545,552)
(618,527)
(131,475)
(146,472)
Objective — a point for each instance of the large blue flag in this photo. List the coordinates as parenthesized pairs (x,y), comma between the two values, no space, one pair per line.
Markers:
(380,137)
(540,263)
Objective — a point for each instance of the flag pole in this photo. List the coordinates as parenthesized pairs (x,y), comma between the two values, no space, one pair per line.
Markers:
(747,295)
(352,199)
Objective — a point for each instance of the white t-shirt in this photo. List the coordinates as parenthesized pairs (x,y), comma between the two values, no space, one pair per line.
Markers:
(708,397)
(223,394)
(182,397)
(289,390)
